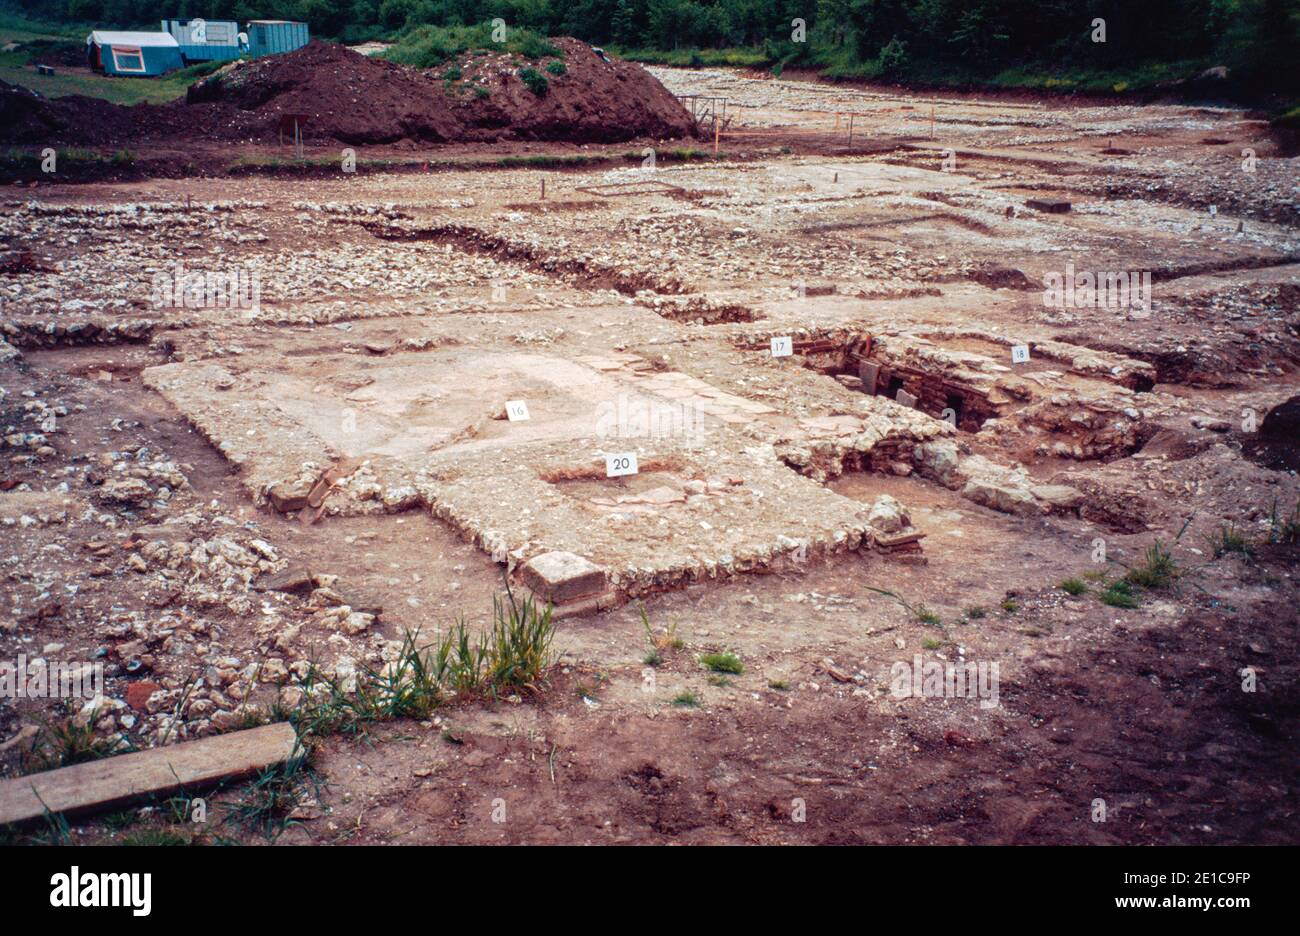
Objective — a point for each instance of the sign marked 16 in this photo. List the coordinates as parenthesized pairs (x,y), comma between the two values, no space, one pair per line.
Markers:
(517,410)
(624,463)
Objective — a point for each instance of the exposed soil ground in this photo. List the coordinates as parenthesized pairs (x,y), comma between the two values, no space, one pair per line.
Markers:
(157,444)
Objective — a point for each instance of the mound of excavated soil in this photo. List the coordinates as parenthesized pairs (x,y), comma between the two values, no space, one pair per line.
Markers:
(353,99)
(345,96)
(26,117)
(593,101)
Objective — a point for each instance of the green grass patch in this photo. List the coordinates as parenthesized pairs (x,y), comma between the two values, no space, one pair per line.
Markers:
(544,161)
(154,838)
(1283,528)
(15,27)
(1119,594)
(1156,570)
(266,805)
(686,699)
(14,69)
(67,741)
(534,80)
(723,663)
(926,616)
(1142,77)
(431,46)
(1073,586)
(740,57)
(1227,541)
(513,655)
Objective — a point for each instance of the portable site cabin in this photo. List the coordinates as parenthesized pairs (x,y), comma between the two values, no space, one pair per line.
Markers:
(133,53)
(272,37)
(205,40)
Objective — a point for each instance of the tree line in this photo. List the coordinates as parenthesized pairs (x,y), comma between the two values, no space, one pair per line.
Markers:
(1257,39)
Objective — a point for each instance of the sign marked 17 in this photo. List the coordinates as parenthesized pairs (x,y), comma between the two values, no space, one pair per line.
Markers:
(783,346)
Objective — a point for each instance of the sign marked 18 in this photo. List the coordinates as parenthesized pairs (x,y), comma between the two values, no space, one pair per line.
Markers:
(616,466)
(782,347)
(516,410)
(1019,354)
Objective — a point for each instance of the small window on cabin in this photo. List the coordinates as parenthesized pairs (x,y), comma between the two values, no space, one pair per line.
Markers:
(128,60)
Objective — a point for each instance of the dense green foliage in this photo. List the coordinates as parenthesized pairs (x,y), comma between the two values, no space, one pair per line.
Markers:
(430,46)
(1146,40)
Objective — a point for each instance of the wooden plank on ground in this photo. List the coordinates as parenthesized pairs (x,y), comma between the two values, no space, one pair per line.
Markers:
(114,782)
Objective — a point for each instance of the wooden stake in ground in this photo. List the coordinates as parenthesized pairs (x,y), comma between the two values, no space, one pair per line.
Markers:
(717,132)
(114,782)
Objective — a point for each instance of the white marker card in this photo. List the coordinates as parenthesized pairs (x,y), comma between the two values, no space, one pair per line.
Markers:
(624,463)
(516,410)
(1019,353)
(782,347)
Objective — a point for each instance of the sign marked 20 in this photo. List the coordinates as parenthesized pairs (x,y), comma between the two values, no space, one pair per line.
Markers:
(624,463)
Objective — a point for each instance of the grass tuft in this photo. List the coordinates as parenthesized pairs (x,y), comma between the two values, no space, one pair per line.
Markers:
(69,741)
(431,46)
(1227,541)
(535,80)
(723,663)
(1119,594)
(1284,529)
(1156,570)
(267,805)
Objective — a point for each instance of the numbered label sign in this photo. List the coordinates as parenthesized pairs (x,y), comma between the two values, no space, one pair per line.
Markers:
(516,410)
(1019,354)
(616,466)
(782,347)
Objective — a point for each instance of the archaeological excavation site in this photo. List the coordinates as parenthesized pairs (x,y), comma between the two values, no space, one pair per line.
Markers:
(551,448)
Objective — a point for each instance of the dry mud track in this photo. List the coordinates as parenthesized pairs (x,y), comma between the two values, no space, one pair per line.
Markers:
(161,455)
